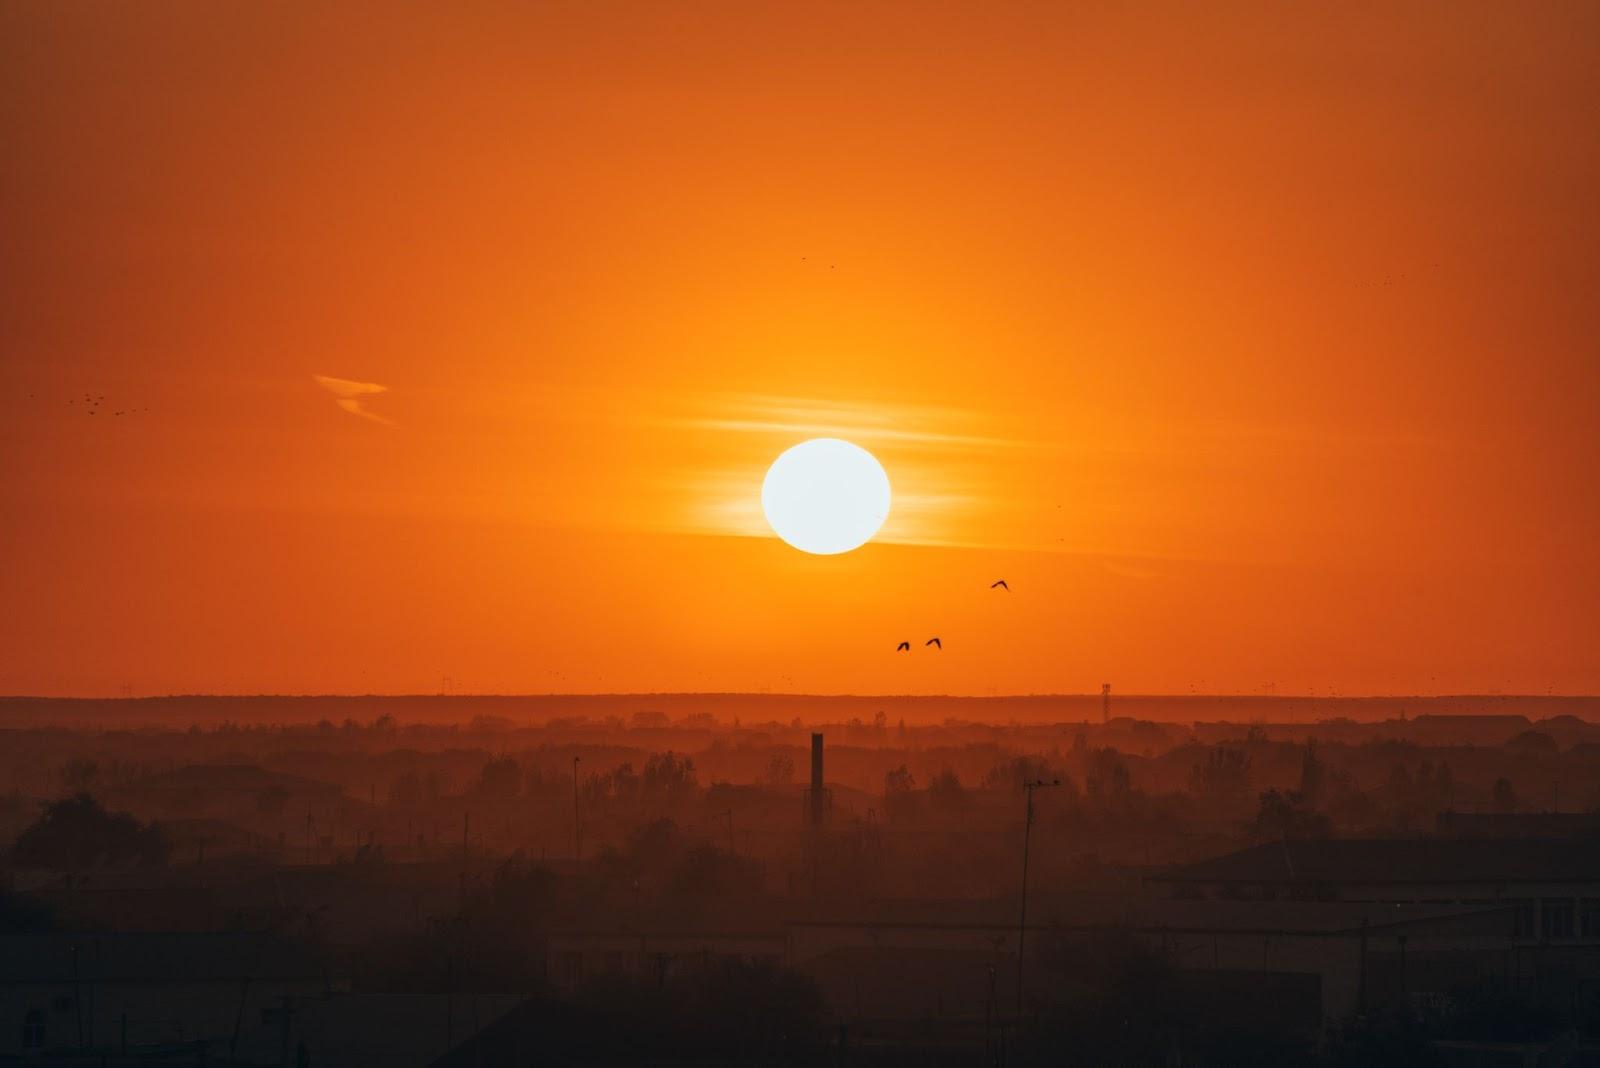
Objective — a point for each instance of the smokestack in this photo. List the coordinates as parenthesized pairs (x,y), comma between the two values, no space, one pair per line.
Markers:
(1105,702)
(816,780)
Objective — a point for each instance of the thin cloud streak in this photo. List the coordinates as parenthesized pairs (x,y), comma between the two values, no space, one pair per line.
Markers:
(349,394)
(899,424)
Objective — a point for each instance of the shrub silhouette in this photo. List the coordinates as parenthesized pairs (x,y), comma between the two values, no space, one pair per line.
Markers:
(77,832)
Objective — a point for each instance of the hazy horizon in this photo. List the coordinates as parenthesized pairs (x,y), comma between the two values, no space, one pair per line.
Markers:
(725,709)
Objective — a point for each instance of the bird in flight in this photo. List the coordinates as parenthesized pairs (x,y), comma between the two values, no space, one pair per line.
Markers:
(934,642)
(1001,584)
(903,647)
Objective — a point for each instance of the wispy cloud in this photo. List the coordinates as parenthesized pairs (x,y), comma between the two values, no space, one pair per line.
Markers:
(349,394)
(909,425)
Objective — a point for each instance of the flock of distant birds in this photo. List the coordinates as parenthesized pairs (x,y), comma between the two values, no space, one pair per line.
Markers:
(905,647)
(92,403)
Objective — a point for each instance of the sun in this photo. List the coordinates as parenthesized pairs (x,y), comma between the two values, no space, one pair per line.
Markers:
(826,496)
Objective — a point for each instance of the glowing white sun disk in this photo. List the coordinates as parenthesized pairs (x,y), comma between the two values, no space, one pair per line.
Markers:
(825,496)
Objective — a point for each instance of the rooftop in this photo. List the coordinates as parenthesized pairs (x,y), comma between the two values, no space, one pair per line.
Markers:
(1079,912)
(1420,861)
(152,957)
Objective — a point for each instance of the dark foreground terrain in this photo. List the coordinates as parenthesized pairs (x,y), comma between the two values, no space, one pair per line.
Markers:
(722,880)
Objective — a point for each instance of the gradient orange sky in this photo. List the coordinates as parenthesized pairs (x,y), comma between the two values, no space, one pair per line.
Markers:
(1255,346)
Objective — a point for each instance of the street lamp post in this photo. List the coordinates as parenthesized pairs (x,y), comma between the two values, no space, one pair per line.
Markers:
(577,827)
(1022,922)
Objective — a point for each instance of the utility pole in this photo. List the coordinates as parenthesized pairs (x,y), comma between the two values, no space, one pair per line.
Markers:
(988,1018)
(577,827)
(466,853)
(77,995)
(285,1018)
(1022,922)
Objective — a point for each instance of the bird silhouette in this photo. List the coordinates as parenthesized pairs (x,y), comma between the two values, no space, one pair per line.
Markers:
(934,642)
(1001,584)
(903,647)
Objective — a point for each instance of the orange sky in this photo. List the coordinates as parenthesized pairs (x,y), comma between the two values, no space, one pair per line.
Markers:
(1256,348)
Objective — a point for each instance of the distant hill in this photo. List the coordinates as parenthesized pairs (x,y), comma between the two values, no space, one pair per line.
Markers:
(214,711)
(213,779)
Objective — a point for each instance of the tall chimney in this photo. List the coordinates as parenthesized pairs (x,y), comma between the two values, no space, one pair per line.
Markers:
(816,780)
(1105,702)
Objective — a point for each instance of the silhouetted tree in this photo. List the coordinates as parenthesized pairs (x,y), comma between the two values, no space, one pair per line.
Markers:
(1444,783)
(898,781)
(668,776)
(499,780)
(1313,772)
(1224,774)
(625,783)
(1285,814)
(1011,774)
(899,801)
(413,790)
(708,875)
(1505,796)
(780,769)
(520,894)
(77,833)
(489,943)
(1107,780)
(946,791)
(677,876)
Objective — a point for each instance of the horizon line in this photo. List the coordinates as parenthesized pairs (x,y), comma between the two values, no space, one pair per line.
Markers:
(645,694)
